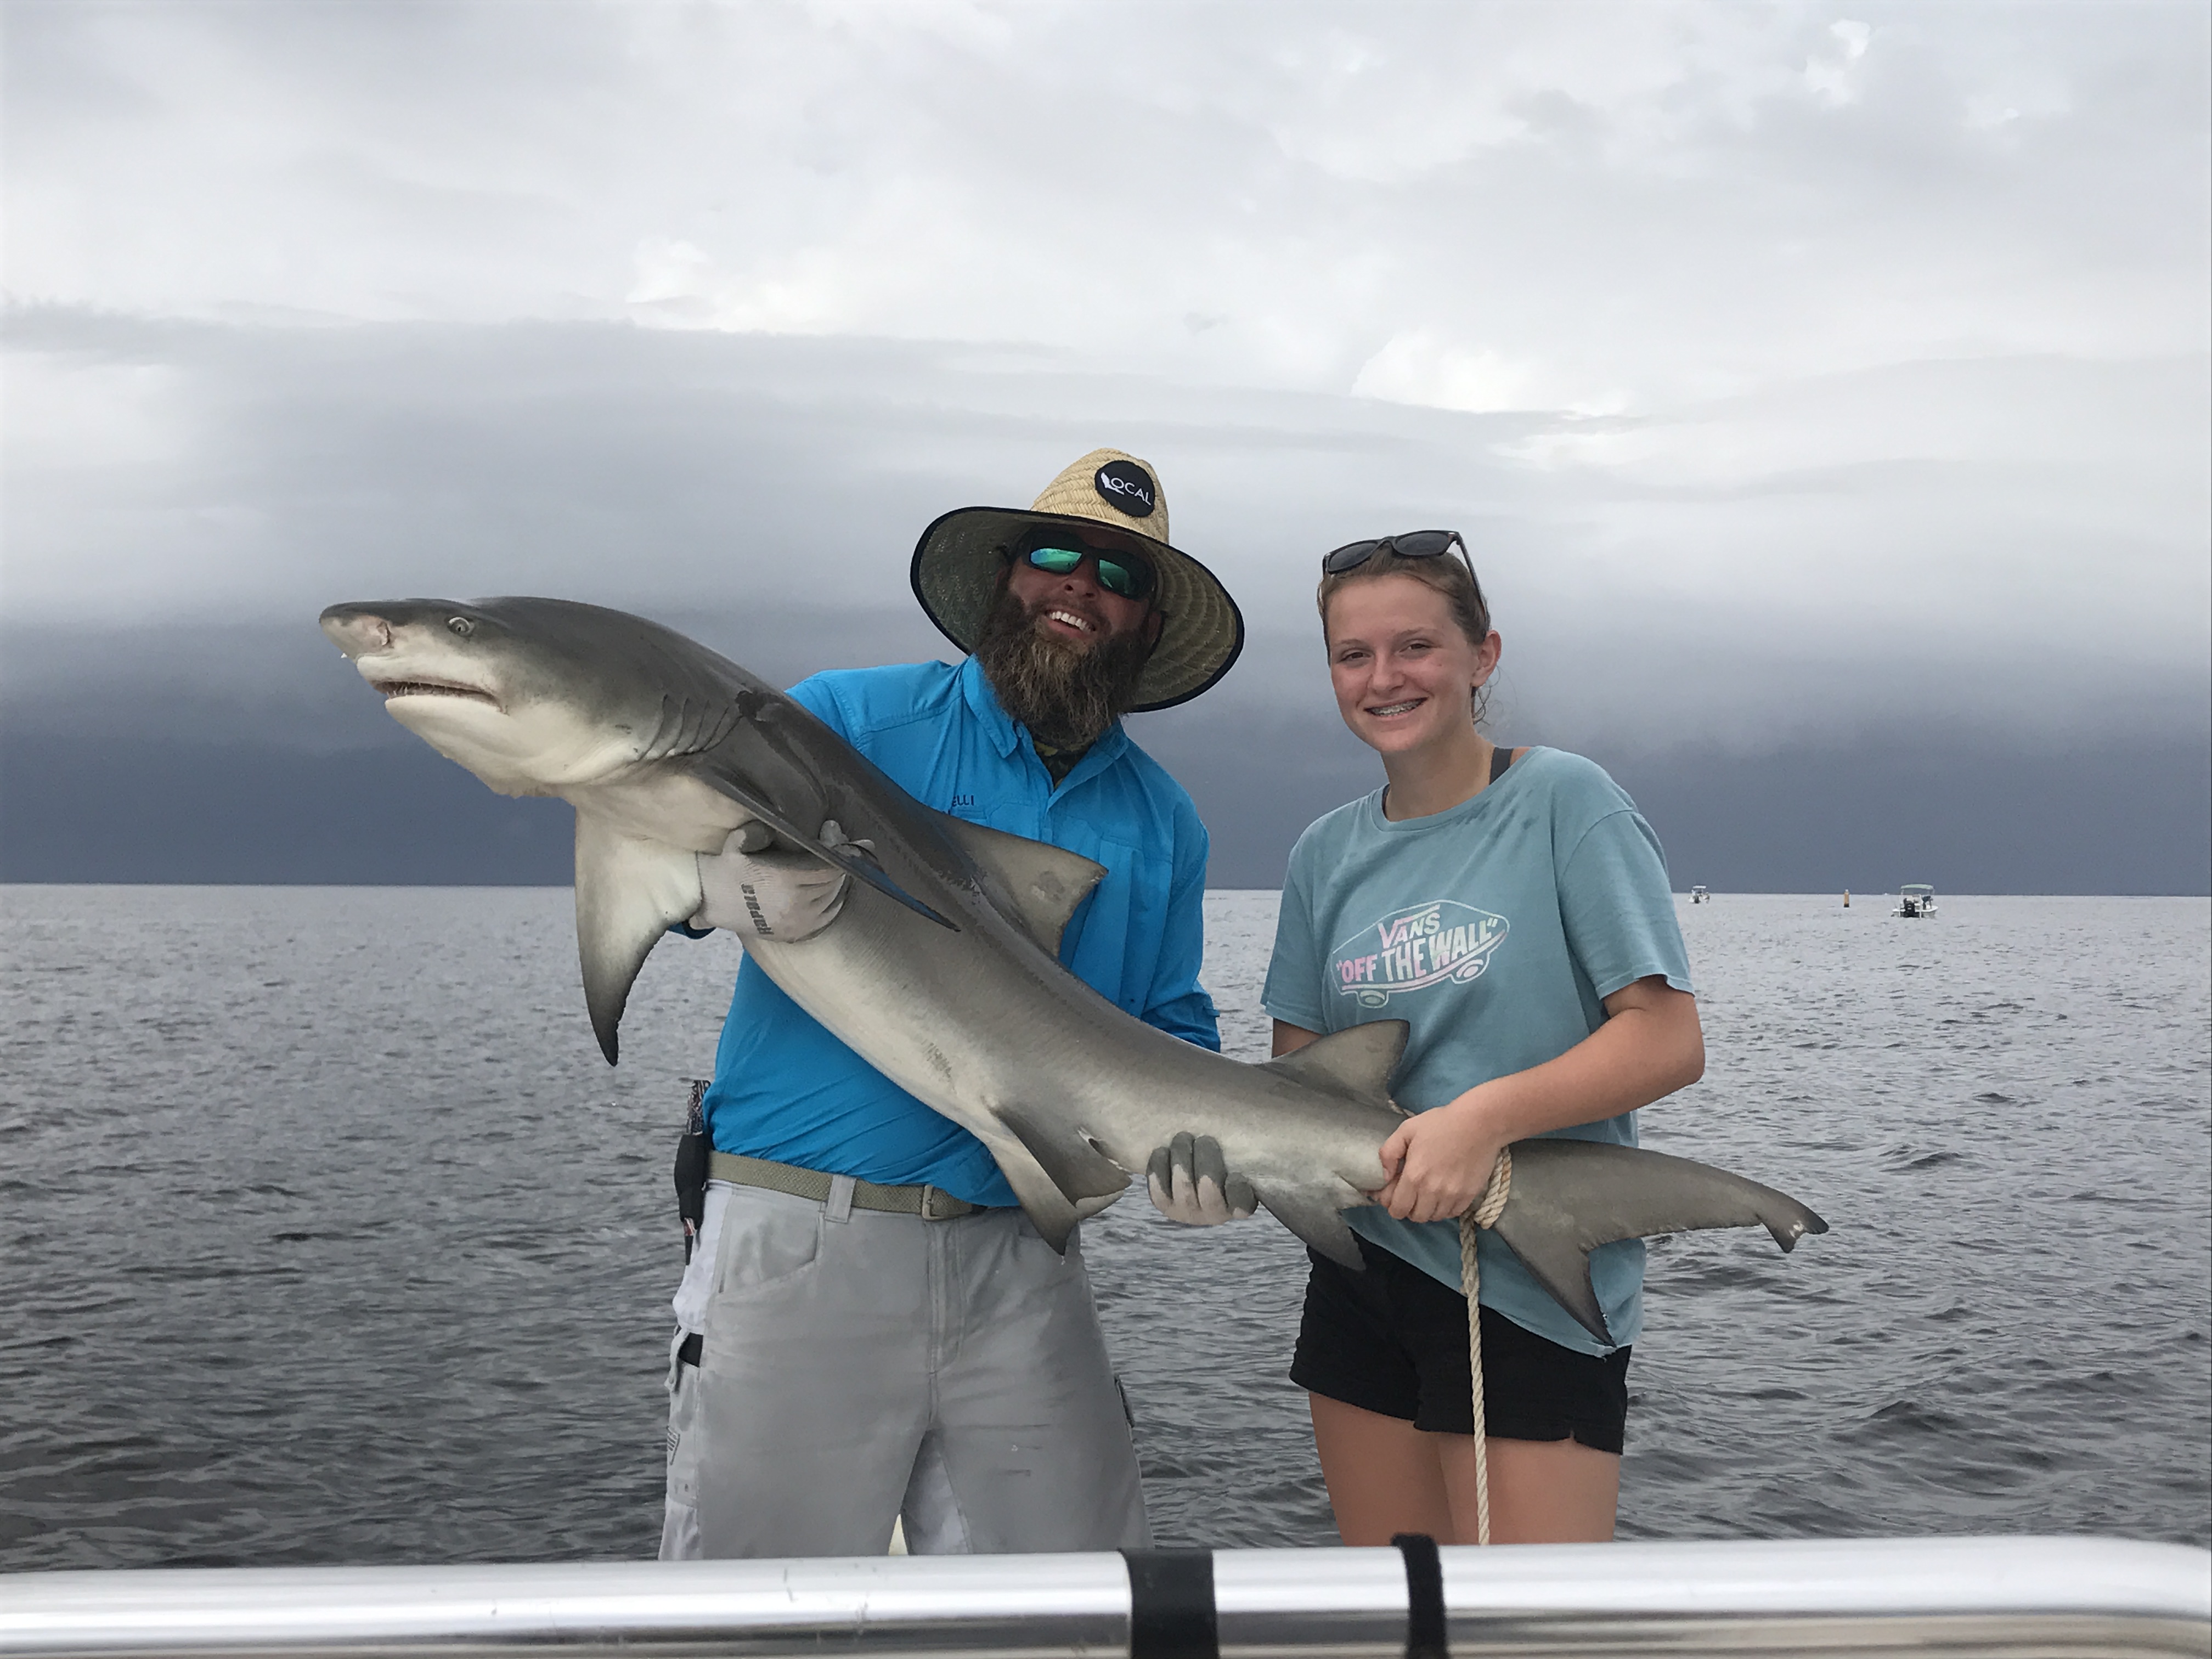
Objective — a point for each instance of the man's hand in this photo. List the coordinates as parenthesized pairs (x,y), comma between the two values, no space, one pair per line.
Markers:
(1190,1183)
(759,894)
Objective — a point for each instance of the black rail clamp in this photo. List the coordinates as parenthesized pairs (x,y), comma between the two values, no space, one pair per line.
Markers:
(1172,1613)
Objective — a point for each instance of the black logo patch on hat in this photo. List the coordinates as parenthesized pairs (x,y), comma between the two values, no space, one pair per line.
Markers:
(1128,488)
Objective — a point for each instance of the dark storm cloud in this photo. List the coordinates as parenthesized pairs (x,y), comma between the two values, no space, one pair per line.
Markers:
(183,719)
(1653,576)
(1809,384)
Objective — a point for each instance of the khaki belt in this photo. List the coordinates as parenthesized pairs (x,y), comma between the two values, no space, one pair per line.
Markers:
(930,1203)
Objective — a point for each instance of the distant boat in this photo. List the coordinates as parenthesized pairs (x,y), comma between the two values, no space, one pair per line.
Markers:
(1915,898)
(1699,896)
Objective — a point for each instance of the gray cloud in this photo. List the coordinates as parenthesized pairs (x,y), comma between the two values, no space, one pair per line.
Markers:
(1588,206)
(1808,384)
(1652,576)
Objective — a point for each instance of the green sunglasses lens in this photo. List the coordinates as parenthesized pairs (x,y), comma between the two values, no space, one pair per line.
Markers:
(1130,581)
(1118,579)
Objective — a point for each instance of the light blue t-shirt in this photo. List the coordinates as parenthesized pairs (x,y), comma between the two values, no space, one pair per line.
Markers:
(785,1088)
(1495,929)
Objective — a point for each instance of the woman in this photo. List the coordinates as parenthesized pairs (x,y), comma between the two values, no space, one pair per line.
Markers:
(1514,908)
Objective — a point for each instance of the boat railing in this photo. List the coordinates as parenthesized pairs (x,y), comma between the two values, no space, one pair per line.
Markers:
(1863,1598)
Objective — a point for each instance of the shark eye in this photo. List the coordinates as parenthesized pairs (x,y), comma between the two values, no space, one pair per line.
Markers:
(461,625)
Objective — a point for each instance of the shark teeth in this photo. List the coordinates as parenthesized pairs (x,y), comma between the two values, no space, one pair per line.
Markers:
(391,689)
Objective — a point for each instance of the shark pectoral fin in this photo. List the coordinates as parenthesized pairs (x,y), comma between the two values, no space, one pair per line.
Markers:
(1356,1061)
(1550,1248)
(1037,886)
(1315,1218)
(629,893)
(851,859)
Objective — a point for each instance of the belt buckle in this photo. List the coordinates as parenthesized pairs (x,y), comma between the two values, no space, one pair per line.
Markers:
(932,1197)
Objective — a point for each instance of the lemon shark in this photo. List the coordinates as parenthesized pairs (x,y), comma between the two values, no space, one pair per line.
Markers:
(942,968)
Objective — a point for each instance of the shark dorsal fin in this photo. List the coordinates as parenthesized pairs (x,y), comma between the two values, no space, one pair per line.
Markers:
(1357,1061)
(1037,886)
(628,893)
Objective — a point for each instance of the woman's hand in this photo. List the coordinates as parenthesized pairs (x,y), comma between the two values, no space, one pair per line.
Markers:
(1438,1162)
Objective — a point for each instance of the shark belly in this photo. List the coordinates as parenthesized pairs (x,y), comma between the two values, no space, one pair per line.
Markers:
(1070,1095)
(660,804)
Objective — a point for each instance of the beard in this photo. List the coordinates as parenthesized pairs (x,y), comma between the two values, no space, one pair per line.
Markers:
(1067,694)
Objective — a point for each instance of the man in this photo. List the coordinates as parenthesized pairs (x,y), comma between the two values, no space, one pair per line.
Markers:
(869,1326)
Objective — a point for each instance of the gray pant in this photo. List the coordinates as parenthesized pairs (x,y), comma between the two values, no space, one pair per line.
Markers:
(859,1366)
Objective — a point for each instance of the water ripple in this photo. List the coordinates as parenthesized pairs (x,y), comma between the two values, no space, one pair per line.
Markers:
(328,1238)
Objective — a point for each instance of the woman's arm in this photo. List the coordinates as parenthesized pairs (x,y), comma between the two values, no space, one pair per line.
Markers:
(1439,1161)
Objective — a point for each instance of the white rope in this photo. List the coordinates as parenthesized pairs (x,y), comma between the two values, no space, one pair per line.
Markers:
(1484,1212)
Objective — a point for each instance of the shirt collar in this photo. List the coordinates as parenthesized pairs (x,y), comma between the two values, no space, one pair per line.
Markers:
(1006,736)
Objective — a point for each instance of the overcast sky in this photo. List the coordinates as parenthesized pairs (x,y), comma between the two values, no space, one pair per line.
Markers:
(1799,371)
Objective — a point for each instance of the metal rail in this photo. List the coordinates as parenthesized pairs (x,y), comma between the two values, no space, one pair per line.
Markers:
(2017,1597)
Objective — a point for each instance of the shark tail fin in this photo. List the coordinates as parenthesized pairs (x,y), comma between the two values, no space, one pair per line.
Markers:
(1355,1063)
(1556,1258)
(1570,1196)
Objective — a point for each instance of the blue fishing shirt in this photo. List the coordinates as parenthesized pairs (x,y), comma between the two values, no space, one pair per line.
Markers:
(785,1088)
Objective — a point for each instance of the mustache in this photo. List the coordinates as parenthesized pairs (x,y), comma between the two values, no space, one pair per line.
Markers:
(1066,692)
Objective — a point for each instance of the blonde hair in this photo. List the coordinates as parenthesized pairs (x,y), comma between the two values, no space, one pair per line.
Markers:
(1448,575)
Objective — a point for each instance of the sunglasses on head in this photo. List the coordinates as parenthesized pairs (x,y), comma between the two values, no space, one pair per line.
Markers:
(1058,554)
(1413,544)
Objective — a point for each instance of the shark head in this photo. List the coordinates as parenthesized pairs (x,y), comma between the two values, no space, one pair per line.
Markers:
(532,695)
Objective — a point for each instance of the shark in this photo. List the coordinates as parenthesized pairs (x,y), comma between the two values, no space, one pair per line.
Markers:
(942,968)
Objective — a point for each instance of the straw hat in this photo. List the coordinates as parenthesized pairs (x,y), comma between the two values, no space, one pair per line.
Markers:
(957,561)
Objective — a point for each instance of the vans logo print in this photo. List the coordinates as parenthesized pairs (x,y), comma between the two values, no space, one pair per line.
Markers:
(1409,950)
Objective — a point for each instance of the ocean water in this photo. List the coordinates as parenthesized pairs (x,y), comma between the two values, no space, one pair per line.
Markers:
(325,1236)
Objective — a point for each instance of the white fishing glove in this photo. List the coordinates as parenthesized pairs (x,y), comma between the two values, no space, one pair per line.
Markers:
(1189,1182)
(760,894)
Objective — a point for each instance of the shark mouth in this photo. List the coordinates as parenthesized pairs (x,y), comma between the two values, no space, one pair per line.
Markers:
(391,689)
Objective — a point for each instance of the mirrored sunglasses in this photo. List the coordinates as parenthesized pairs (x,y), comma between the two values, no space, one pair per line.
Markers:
(1118,572)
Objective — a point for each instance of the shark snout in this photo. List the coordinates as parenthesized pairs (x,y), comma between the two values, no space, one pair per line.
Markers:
(357,630)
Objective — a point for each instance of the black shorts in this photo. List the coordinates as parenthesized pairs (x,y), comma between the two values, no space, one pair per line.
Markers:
(1394,1340)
